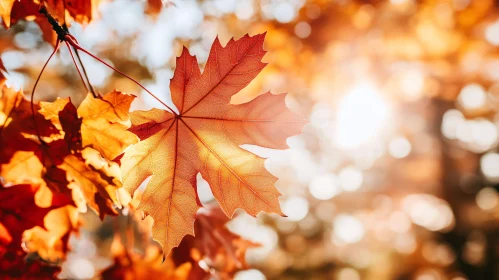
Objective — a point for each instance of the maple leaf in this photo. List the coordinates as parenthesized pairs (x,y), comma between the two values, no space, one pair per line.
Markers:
(129,265)
(51,241)
(205,136)
(19,160)
(81,11)
(16,121)
(105,123)
(84,170)
(19,212)
(61,162)
(5,9)
(96,178)
(52,110)
(221,250)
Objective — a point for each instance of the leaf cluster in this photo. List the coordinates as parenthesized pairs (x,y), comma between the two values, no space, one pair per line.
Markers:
(71,158)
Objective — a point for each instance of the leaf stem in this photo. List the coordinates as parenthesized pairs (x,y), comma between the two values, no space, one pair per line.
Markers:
(70,39)
(63,35)
(92,90)
(56,48)
(76,65)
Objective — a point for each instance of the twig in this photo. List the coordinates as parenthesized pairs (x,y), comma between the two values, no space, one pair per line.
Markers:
(64,35)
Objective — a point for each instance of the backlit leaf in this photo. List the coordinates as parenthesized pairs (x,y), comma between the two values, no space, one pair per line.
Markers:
(205,137)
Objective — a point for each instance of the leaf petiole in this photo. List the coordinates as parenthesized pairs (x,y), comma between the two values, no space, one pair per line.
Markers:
(56,48)
(76,65)
(71,41)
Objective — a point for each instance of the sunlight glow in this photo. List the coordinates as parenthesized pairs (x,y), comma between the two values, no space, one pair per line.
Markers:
(296,208)
(487,199)
(361,115)
(249,228)
(472,97)
(351,178)
(348,229)
(250,274)
(429,211)
(490,166)
(325,187)
(400,147)
(451,121)
(492,33)
(82,268)
(348,274)
(412,84)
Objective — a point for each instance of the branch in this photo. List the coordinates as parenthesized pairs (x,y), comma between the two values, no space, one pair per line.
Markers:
(61,32)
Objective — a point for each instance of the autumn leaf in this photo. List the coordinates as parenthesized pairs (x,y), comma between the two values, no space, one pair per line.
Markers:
(5,9)
(83,170)
(222,251)
(51,241)
(82,11)
(52,110)
(96,178)
(16,122)
(19,212)
(95,133)
(105,123)
(205,136)
(129,265)
(61,163)
(20,154)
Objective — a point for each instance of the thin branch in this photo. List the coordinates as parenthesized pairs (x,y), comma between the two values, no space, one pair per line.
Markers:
(61,33)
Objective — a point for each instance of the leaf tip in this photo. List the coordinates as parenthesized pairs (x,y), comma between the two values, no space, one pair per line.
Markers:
(185,51)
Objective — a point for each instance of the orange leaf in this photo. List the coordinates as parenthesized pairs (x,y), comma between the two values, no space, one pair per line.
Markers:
(19,212)
(5,9)
(221,250)
(18,156)
(51,110)
(96,178)
(50,243)
(61,164)
(205,137)
(105,123)
(93,179)
(129,265)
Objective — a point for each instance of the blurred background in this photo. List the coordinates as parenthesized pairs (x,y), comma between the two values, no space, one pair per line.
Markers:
(395,177)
